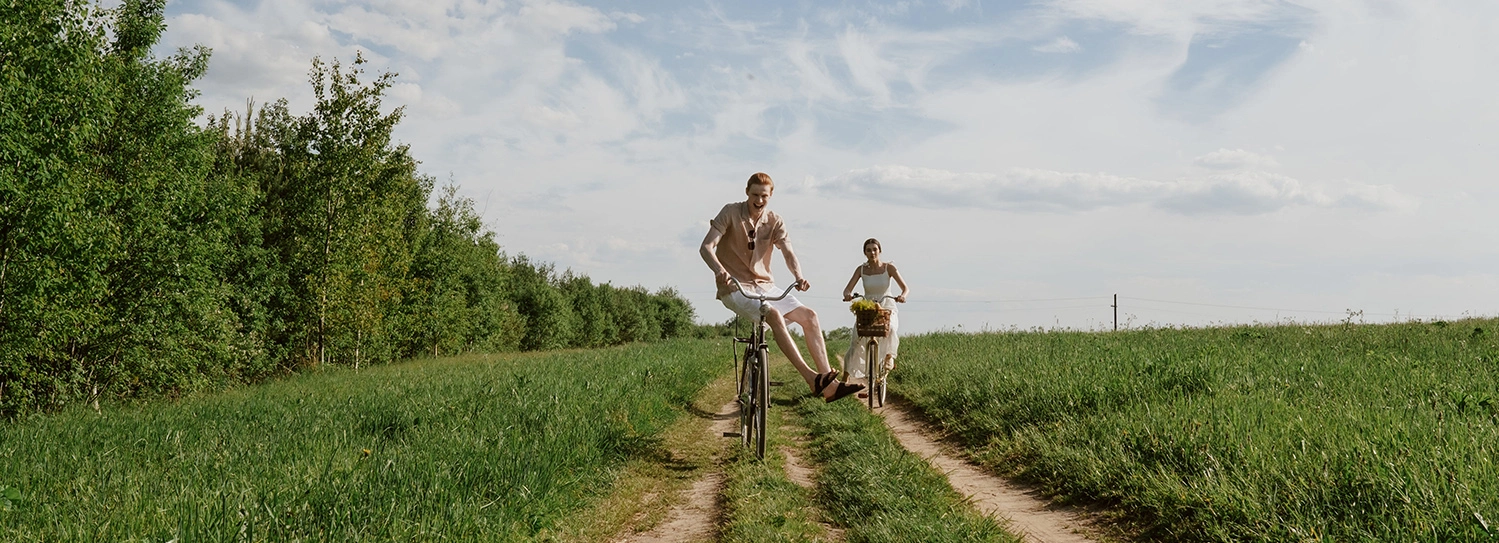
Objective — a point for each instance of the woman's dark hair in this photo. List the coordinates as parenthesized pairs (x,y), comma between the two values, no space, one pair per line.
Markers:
(874,241)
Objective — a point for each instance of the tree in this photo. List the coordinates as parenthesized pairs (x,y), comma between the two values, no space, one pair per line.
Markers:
(458,303)
(110,230)
(345,210)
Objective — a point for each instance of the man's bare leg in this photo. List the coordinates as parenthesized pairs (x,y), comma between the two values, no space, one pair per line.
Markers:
(807,318)
(808,321)
(789,348)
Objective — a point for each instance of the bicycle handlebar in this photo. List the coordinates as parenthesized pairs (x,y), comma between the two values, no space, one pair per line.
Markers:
(762,297)
(881,300)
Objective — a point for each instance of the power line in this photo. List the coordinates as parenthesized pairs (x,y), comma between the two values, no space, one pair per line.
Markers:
(1175,312)
(1010,301)
(1233,306)
(1015,309)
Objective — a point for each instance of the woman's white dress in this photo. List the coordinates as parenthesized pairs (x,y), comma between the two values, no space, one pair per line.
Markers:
(874,286)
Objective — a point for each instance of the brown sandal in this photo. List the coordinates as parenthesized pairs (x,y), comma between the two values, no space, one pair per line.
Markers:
(822,380)
(843,390)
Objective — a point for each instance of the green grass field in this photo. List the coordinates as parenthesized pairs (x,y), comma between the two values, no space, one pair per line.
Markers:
(1260,433)
(479,448)
(1268,433)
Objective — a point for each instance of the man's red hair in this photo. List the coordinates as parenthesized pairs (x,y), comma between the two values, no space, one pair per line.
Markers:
(760,178)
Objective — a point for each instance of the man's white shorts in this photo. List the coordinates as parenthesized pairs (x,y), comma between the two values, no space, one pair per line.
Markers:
(750,309)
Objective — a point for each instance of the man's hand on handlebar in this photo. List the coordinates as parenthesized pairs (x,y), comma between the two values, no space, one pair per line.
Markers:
(724,279)
(803,285)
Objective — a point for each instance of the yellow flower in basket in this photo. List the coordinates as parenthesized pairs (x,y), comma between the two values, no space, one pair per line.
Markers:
(863,304)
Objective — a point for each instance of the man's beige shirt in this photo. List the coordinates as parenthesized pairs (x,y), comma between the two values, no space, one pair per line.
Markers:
(733,248)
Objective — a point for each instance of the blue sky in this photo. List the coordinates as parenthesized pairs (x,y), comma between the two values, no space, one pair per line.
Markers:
(1311,155)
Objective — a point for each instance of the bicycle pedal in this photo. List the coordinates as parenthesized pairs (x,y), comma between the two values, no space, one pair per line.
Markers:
(777,383)
(732,434)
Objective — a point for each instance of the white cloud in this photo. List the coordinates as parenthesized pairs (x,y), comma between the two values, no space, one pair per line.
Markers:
(1023,189)
(811,77)
(253,62)
(633,18)
(868,70)
(420,33)
(1376,198)
(1063,44)
(1174,19)
(955,5)
(1246,193)
(562,18)
(1233,159)
(652,89)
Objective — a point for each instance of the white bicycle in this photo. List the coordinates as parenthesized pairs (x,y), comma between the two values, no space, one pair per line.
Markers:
(875,370)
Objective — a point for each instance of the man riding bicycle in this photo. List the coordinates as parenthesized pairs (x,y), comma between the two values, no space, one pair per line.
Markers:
(738,248)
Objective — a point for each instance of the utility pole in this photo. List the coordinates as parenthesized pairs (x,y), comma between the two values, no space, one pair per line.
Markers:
(1116,312)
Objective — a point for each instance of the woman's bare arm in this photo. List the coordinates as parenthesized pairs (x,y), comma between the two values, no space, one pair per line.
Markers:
(848,291)
(894,274)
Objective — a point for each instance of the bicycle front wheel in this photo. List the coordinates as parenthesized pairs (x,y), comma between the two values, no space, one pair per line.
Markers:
(762,403)
(746,397)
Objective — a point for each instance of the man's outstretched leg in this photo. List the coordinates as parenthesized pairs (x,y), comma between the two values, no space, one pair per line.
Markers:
(788,346)
(822,380)
(807,319)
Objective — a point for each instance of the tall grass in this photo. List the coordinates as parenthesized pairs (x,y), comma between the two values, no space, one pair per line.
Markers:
(461,449)
(1260,433)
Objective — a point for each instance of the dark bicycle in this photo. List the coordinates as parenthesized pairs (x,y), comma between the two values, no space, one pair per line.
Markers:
(753,371)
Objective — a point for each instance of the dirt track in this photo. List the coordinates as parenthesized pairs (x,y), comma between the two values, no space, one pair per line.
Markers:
(696,518)
(1027,513)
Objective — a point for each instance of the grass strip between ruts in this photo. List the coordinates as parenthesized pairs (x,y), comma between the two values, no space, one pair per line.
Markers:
(877,490)
(761,503)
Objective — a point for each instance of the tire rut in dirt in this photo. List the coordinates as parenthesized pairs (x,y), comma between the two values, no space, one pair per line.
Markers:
(697,517)
(1025,511)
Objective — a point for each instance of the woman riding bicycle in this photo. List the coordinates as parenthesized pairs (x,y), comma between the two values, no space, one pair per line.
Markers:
(876,276)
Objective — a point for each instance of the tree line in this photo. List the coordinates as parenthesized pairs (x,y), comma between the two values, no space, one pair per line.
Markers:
(142,253)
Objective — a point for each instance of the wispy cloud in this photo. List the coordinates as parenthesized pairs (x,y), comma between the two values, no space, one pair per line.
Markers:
(1018,189)
(1063,44)
(1033,190)
(1233,159)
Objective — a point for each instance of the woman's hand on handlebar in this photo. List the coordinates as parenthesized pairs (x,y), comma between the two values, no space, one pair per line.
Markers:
(848,297)
(901,298)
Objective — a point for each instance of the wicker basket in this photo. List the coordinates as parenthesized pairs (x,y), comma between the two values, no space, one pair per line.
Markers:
(872,322)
